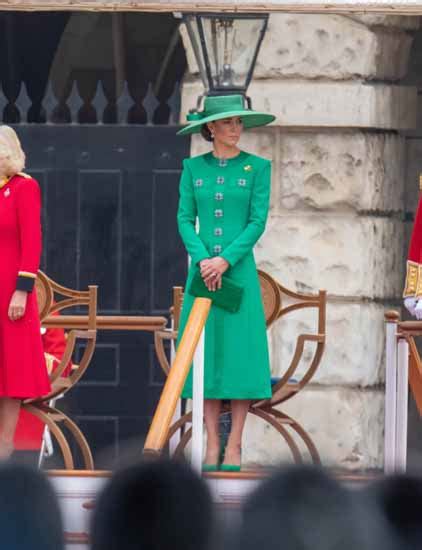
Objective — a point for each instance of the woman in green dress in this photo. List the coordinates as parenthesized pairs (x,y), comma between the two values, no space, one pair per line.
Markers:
(228,192)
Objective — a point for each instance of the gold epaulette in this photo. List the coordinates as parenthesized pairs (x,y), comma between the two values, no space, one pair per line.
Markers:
(413,279)
(413,286)
(23,175)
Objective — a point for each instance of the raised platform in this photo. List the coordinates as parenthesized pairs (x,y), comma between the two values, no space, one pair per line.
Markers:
(77,491)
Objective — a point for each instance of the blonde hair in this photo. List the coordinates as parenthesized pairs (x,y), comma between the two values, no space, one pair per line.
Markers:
(11,149)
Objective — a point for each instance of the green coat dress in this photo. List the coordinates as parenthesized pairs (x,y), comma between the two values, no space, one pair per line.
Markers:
(230,199)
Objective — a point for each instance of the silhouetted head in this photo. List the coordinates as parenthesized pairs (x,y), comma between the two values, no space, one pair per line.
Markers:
(160,505)
(29,512)
(302,508)
(400,500)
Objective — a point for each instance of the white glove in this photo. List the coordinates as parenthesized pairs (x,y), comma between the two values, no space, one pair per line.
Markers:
(410,304)
(418,310)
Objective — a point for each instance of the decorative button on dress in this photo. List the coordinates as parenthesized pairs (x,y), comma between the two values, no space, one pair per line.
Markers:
(23,372)
(231,204)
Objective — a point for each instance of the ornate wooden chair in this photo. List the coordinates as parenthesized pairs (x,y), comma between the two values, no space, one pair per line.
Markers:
(52,298)
(278,303)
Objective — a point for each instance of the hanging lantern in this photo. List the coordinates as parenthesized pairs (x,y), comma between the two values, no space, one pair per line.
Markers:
(226,47)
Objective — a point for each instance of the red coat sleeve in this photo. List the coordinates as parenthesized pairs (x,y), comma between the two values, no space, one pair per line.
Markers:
(28,202)
(54,342)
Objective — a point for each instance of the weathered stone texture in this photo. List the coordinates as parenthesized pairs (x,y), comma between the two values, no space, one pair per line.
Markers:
(354,354)
(390,21)
(329,171)
(345,424)
(347,255)
(329,46)
(326,104)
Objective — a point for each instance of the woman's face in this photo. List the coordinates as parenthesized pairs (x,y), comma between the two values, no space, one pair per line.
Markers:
(4,162)
(227,130)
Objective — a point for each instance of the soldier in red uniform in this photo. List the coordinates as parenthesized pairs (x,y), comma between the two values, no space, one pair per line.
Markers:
(29,430)
(413,288)
(23,372)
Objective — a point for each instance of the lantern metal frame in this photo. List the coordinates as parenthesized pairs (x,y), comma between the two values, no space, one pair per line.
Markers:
(204,57)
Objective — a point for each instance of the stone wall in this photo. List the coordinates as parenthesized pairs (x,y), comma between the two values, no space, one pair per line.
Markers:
(336,219)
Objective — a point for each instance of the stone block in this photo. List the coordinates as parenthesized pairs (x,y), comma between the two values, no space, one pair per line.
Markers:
(336,171)
(347,255)
(413,174)
(408,22)
(301,103)
(346,426)
(330,46)
(341,172)
(354,350)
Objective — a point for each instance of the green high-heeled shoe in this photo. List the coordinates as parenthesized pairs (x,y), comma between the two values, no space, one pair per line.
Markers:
(230,467)
(210,467)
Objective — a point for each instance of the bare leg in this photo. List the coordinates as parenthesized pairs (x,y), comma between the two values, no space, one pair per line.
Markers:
(240,409)
(9,415)
(212,408)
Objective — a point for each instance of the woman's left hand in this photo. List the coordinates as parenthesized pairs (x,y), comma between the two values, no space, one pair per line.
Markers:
(17,305)
(212,271)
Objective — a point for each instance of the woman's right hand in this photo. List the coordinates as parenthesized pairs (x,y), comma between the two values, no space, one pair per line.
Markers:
(410,304)
(212,278)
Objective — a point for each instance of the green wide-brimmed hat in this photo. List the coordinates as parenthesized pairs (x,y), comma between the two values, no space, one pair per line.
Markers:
(224,106)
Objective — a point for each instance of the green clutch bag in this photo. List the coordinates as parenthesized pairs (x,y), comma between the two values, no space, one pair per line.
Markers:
(228,297)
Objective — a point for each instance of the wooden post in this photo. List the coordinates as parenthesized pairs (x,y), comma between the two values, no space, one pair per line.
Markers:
(391,318)
(160,425)
(402,404)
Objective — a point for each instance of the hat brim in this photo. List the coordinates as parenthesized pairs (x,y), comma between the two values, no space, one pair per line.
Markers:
(250,119)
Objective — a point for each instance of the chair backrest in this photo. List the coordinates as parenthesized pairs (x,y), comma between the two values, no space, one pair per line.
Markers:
(278,302)
(53,298)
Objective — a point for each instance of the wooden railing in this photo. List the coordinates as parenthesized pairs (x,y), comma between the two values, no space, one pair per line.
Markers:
(106,322)
(158,432)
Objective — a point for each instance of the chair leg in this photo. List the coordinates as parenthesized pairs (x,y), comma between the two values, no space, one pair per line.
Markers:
(79,438)
(294,449)
(302,433)
(178,453)
(44,415)
(179,424)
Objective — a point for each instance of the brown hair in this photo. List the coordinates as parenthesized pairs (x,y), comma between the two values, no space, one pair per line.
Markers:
(206,133)
(10,148)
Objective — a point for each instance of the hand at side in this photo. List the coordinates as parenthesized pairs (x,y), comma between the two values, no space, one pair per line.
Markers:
(17,305)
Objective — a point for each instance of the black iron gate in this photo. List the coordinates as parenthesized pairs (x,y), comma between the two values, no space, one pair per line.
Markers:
(109,218)
(101,92)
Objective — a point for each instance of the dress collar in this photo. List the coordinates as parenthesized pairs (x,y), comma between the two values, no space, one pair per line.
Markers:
(214,161)
(4,181)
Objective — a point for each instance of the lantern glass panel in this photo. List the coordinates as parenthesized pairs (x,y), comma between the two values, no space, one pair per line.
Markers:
(231,44)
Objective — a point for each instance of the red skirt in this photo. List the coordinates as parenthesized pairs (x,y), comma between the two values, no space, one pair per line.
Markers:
(23,372)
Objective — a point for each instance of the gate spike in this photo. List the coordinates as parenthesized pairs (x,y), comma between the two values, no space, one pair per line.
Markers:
(23,103)
(150,103)
(100,102)
(124,103)
(74,102)
(50,102)
(3,103)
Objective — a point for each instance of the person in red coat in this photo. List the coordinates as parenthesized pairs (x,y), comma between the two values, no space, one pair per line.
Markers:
(23,372)
(412,293)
